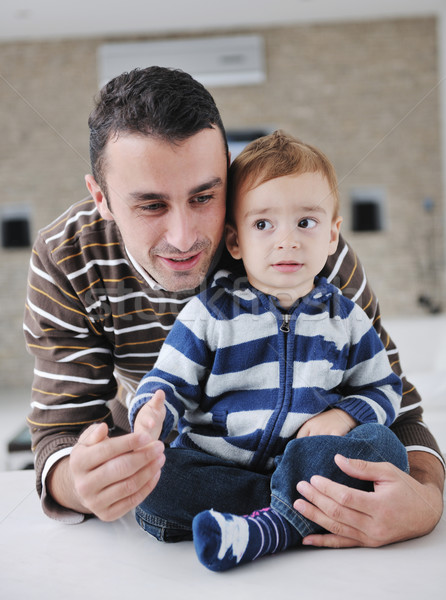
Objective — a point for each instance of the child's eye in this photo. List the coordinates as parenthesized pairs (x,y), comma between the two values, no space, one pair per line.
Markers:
(262,225)
(307,223)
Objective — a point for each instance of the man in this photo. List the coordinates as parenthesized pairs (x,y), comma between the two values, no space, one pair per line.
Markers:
(106,281)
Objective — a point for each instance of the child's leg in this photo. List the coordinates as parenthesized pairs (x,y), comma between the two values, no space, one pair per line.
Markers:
(223,541)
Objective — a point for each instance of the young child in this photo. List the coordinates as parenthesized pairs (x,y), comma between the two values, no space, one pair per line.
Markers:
(272,370)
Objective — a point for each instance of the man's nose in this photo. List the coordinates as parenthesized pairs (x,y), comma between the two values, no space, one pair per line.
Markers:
(181,230)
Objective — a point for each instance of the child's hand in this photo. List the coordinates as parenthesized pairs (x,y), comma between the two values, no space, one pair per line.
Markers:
(331,422)
(150,418)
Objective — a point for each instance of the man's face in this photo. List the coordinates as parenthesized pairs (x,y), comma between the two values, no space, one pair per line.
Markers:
(168,201)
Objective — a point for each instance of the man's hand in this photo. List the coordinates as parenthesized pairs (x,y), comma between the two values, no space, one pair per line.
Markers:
(400,507)
(107,476)
(331,422)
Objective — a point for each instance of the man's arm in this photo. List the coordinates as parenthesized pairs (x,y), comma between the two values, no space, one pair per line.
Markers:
(74,378)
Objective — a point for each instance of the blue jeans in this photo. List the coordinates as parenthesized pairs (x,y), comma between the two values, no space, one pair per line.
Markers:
(192,481)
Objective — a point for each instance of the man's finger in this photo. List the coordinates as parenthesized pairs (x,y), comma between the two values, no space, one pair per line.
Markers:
(338,521)
(122,507)
(93,434)
(365,470)
(125,465)
(122,496)
(331,496)
(332,505)
(105,449)
(329,540)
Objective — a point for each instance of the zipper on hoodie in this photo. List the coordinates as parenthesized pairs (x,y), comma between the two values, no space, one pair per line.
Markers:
(285,327)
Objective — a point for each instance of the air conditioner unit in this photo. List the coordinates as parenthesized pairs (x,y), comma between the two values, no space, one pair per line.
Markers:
(214,61)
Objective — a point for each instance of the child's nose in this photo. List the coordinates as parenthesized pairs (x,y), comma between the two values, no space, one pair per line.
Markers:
(290,239)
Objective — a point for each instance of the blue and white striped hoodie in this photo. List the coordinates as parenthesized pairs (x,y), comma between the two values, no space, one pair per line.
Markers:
(241,375)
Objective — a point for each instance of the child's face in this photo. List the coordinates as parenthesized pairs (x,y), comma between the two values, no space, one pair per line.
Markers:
(284,232)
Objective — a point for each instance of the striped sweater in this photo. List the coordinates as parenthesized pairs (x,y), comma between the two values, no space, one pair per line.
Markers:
(240,376)
(95,323)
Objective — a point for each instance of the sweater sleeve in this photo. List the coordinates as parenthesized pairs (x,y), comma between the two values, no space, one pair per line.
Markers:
(73,374)
(371,390)
(344,270)
(180,368)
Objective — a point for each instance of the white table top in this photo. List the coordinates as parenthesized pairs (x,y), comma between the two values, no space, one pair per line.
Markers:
(41,558)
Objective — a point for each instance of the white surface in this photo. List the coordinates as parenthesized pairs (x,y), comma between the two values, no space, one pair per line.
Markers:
(421,342)
(41,558)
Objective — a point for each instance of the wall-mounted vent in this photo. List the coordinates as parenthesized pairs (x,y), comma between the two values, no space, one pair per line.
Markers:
(214,61)
(15,230)
(368,206)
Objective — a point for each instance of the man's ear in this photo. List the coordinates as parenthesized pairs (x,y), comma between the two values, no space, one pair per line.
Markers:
(99,198)
(231,238)
(335,230)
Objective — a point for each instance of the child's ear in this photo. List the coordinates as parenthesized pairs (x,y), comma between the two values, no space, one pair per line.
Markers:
(335,230)
(232,241)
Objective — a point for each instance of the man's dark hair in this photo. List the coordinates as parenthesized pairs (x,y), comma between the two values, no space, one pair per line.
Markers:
(165,103)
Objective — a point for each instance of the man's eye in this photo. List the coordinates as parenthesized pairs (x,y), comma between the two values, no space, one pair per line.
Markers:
(203,199)
(307,223)
(262,225)
(153,207)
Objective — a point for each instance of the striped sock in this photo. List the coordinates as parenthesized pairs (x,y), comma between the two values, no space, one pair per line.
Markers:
(223,541)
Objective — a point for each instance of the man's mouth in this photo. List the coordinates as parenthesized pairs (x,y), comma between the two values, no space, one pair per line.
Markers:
(183,263)
(181,259)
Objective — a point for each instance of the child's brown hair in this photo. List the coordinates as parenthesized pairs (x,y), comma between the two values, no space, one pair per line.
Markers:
(277,155)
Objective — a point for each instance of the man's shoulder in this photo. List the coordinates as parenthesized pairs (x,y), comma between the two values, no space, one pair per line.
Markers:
(79,220)
(78,227)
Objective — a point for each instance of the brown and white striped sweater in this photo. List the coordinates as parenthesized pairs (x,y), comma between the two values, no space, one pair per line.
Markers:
(95,322)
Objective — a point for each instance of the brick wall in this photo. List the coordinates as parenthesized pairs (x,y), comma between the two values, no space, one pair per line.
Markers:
(364,92)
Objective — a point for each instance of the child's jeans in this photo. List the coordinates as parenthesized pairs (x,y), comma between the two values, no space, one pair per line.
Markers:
(192,481)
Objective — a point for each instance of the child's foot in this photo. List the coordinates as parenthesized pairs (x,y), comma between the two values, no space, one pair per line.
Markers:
(223,541)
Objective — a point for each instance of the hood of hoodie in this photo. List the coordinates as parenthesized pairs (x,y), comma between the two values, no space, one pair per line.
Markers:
(250,299)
